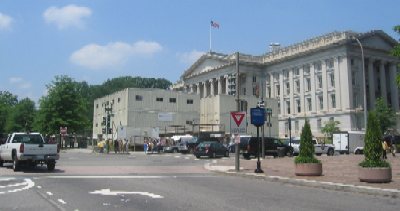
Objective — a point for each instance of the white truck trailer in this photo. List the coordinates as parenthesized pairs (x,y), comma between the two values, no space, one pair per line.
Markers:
(349,142)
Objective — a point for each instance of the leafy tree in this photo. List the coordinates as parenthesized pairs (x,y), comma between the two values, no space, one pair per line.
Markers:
(64,106)
(307,150)
(330,127)
(373,146)
(7,102)
(21,116)
(396,52)
(385,115)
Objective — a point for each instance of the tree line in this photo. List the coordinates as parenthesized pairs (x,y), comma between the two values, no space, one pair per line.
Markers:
(68,103)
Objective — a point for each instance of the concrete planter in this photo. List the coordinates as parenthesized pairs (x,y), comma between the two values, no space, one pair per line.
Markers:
(308,169)
(375,175)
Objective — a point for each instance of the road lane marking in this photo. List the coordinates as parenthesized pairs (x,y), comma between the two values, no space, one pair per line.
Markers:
(108,177)
(108,192)
(62,201)
(27,184)
(49,193)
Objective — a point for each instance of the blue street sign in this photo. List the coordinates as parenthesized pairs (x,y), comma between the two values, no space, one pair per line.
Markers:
(257,116)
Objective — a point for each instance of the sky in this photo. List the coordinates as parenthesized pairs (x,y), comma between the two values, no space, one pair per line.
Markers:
(96,40)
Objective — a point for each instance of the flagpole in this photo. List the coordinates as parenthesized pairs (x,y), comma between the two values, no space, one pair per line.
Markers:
(210,37)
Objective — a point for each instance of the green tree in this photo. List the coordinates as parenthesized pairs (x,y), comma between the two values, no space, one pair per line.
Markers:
(64,106)
(21,116)
(330,127)
(396,52)
(7,102)
(307,150)
(385,115)
(373,144)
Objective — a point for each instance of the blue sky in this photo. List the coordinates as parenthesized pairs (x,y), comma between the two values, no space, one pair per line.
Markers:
(94,40)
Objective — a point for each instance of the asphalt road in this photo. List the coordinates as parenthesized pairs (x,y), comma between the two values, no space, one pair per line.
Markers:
(85,181)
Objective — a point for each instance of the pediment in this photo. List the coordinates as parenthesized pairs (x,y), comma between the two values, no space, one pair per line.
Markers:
(205,63)
(379,41)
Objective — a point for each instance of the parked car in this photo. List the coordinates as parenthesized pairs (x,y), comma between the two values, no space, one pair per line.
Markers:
(272,146)
(244,141)
(172,148)
(211,149)
(319,147)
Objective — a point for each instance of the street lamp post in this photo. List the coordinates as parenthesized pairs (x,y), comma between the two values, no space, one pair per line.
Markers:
(364,83)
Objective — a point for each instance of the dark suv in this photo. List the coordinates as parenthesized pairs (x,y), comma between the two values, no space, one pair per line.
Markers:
(273,147)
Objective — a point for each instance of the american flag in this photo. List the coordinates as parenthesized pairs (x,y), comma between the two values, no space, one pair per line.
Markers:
(214,24)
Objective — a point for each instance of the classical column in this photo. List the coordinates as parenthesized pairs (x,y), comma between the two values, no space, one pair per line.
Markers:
(211,81)
(394,90)
(219,81)
(272,85)
(312,81)
(198,88)
(382,76)
(205,94)
(337,83)
(291,90)
(371,83)
(301,82)
(324,86)
(226,78)
(191,87)
(281,85)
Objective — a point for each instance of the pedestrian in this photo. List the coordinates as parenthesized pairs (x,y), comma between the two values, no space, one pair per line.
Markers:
(384,148)
(116,146)
(126,145)
(145,146)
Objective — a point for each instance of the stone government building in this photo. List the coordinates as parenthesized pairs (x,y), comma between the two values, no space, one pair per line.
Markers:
(319,79)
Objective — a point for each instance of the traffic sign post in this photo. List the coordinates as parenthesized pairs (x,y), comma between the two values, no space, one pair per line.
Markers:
(238,126)
(257,119)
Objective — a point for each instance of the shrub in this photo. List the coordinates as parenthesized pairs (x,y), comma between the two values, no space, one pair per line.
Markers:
(306,154)
(373,144)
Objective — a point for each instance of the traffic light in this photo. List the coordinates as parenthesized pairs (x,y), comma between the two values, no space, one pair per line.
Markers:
(109,130)
(103,130)
(104,121)
(108,121)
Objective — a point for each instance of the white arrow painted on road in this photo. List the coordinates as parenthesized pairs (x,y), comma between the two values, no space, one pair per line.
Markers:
(108,192)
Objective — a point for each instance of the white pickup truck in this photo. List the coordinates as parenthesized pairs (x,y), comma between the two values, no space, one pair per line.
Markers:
(30,149)
(319,148)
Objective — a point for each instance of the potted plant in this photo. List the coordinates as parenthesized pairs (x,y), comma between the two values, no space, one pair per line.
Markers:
(306,164)
(373,168)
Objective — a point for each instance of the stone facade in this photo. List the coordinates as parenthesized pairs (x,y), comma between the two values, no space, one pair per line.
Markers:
(319,79)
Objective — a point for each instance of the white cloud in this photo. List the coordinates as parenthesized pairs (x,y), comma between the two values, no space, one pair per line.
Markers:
(94,56)
(5,21)
(190,57)
(19,83)
(68,16)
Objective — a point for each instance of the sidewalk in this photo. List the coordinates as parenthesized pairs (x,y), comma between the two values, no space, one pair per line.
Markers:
(340,172)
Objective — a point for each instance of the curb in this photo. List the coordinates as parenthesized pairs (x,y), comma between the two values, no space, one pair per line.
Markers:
(227,170)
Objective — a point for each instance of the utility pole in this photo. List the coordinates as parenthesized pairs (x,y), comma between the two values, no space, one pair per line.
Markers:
(237,153)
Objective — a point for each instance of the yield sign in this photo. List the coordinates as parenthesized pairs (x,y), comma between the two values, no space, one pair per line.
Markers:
(238,123)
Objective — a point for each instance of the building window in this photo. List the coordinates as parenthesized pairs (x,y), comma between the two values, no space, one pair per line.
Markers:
(119,99)
(159,99)
(254,79)
(318,66)
(244,91)
(97,105)
(139,97)
(319,123)
(298,106)
(329,63)
(296,126)
(296,71)
(319,81)
(288,88)
(189,101)
(332,79)
(286,73)
(331,118)
(269,92)
(189,122)
(96,124)
(333,101)
(321,102)
(308,83)
(297,86)
(309,104)
(255,91)
(288,107)
(278,90)
(172,100)
(306,70)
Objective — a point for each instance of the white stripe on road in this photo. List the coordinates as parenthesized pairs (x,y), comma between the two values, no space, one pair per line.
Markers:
(109,177)
(62,201)
(49,193)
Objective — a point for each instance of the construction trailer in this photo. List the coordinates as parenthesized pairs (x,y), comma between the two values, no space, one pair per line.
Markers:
(349,142)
